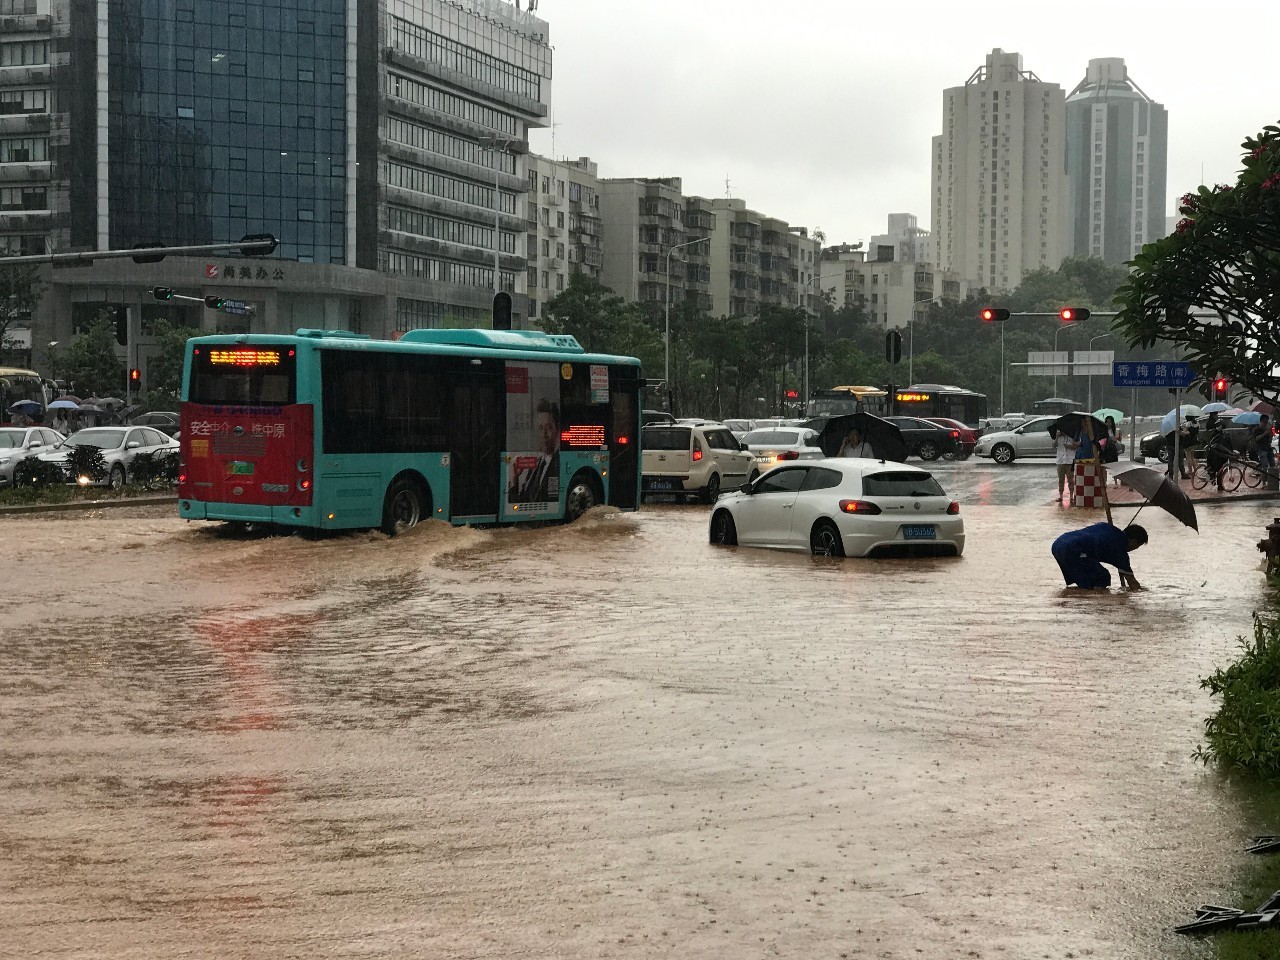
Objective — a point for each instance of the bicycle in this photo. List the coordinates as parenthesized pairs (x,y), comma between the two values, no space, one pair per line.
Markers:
(1254,476)
(1230,475)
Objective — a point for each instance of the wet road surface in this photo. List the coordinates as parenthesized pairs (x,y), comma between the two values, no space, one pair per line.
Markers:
(612,740)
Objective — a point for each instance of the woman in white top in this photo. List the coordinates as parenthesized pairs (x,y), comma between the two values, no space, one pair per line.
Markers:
(1065,452)
(855,446)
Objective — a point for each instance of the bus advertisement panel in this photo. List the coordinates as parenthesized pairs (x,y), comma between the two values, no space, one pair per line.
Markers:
(332,430)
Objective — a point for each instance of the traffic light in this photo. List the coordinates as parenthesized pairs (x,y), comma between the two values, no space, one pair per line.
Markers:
(135,377)
(993,314)
(502,311)
(1220,389)
(893,346)
(1073,314)
(122,326)
(793,394)
(162,293)
(214,303)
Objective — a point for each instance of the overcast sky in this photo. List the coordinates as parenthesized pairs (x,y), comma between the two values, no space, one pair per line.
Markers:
(820,112)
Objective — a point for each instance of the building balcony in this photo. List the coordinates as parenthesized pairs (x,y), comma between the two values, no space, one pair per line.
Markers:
(556,263)
(35,75)
(11,172)
(20,123)
(592,256)
(700,301)
(553,200)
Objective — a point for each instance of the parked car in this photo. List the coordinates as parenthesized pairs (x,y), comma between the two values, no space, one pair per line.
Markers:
(926,440)
(693,460)
(740,428)
(119,445)
(165,421)
(18,443)
(1029,440)
(841,507)
(774,445)
(967,439)
(1154,445)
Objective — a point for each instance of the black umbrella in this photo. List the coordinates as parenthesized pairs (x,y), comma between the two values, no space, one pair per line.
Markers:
(885,437)
(1159,491)
(1072,424)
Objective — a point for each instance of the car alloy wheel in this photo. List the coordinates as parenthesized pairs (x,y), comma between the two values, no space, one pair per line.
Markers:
(1003,453)
(825,540)
(928,450)
(723,530)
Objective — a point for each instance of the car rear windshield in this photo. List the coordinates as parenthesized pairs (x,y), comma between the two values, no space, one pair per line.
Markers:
(901,483)
(770,438)
(665,438)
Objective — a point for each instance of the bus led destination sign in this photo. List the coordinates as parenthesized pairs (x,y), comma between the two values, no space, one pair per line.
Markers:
(914,397)
(244,358)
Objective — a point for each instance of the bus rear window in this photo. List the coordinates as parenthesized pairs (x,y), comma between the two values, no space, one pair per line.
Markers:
(242,375)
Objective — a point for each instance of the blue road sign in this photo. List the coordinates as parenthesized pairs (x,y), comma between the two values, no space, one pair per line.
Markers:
(237,307)
(1152,373)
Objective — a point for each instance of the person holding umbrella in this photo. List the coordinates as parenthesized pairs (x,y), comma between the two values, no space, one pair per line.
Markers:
(1081,554)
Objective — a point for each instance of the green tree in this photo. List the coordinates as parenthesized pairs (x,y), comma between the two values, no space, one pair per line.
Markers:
(164,371)
(1213,285)
(89,361)
(21,289)
(602,322)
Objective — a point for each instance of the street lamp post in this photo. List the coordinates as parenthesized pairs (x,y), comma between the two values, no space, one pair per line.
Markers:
(1064,327)
(911,338)
(666,322)
(493,145)
(1091,343)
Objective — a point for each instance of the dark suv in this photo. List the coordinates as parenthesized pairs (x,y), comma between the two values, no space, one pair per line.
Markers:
(926,440)
(162,420)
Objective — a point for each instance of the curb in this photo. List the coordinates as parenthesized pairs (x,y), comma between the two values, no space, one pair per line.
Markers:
(85,505)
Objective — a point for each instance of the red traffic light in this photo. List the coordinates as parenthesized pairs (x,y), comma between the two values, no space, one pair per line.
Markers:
(1073,314)
(135,376)
(993,314)
(792,394)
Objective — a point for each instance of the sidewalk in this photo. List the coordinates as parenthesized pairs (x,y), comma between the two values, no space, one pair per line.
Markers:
(1123,495)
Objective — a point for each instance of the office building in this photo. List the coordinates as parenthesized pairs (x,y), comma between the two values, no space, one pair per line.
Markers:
(383,142)
(1117,156)
(999,185)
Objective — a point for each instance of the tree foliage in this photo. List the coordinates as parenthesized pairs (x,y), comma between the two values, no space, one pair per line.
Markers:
(21,289)
(89,362)
(164,370)
(1223,259)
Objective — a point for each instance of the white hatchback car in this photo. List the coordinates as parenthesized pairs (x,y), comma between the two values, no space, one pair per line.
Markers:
(845,507)
(693,459)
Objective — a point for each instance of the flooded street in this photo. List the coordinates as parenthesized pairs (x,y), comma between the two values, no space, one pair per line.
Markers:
(612,740)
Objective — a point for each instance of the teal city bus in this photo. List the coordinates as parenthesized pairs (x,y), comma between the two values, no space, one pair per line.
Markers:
(330,430)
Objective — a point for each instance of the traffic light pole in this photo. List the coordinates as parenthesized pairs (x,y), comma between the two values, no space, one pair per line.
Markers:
(255,246)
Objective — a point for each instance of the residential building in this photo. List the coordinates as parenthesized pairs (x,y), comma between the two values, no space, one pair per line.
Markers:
(642,221)
(905,240)
(999,185)
(1117,160)
(564,226)
(888,290)
(383,142)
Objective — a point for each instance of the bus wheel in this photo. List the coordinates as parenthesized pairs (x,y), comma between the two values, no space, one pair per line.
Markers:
(582,496)
(403,507)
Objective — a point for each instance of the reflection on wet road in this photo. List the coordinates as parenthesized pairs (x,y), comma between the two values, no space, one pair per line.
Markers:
(611,739)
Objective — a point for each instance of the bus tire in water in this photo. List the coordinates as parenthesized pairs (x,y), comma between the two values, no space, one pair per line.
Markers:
(1003,453)
(824,540)
(405,504)
(724,532)
(584,493)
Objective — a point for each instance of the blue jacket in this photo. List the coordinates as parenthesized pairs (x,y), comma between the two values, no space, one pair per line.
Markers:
(1102,542)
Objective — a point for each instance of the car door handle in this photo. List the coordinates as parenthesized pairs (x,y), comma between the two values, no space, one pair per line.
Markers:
(787,506)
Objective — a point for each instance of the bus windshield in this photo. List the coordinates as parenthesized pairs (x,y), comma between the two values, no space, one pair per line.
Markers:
(263,376)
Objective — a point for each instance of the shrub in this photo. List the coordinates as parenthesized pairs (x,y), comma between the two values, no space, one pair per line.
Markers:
(86,461)
(34,472)
(154,469)
(1245,732)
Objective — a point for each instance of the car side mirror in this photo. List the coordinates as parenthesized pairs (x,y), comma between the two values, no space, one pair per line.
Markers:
(133,444)
(745,488)
(743,447)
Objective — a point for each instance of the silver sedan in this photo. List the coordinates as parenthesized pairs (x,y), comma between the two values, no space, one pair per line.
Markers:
(774,445)
(18,443)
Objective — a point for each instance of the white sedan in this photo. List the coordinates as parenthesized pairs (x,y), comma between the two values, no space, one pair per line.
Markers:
(18,443)
(845,507)
(1029,440)
(119,445)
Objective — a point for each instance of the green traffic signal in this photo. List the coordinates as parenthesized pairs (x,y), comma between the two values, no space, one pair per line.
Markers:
(162,293)
(214,303)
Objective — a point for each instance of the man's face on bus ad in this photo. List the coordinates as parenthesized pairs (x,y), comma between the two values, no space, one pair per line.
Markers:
(548,439)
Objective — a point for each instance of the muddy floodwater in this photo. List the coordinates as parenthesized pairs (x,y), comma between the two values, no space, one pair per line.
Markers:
(610,740)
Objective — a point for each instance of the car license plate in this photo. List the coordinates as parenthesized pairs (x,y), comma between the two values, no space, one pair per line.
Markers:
(918,531)
(660,484)
(240,468)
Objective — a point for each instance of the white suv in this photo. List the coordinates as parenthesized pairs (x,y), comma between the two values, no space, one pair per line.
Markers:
(686,459)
